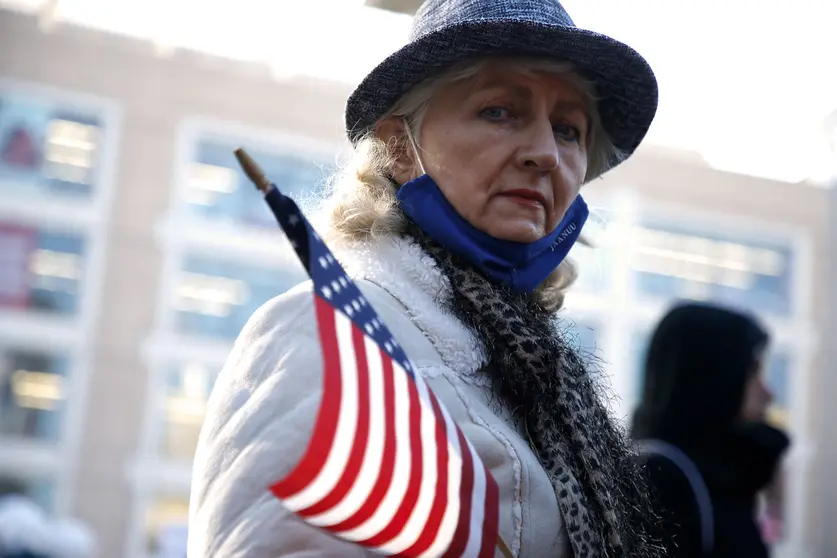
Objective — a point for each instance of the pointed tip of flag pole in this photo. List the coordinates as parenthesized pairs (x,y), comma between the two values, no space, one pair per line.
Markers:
(252,170)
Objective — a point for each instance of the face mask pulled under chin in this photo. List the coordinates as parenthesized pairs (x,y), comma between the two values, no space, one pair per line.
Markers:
(522,266)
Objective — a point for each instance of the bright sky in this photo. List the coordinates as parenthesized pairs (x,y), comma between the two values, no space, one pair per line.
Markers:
(747,83)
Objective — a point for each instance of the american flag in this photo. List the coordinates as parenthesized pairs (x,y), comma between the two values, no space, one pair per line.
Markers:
(386,467)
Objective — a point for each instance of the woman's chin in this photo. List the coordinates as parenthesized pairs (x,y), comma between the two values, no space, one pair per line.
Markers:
(523,232)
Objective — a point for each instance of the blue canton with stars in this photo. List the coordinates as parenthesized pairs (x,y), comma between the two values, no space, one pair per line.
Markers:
(331,282)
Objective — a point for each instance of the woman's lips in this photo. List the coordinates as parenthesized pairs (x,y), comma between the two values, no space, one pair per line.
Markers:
(529,198)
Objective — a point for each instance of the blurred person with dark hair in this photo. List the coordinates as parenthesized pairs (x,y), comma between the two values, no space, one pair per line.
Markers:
(701,420)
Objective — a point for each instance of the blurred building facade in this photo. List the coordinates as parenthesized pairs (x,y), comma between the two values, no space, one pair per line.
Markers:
(132,252)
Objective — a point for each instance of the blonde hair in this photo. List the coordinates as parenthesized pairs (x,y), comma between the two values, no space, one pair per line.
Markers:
(362,203)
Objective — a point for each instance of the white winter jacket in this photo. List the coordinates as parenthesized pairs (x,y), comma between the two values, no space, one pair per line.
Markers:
(265,401)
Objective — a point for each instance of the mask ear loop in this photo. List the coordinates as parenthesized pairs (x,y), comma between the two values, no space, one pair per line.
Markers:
(413,145)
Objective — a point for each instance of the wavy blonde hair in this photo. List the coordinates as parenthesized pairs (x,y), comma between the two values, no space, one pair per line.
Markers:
(362,203)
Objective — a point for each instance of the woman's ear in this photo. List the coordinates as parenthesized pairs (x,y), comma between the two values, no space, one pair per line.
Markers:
(393,132)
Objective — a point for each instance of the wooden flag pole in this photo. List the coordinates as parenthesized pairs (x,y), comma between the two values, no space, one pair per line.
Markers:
(504,548)
(252,170)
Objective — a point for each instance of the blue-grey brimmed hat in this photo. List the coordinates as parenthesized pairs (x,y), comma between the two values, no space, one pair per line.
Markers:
(446,32)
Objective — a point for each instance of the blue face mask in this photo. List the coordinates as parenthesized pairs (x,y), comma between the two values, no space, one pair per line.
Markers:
(523,266)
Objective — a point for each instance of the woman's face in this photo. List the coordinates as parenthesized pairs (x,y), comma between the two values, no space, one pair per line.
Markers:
(757,396)
(508,150)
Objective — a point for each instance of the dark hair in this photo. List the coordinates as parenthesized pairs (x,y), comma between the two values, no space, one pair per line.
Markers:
(699,361)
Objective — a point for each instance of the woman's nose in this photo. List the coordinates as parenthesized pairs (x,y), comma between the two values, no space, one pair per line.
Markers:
(540,151)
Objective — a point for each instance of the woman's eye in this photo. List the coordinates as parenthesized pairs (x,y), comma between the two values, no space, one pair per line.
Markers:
(495,113)
(567,132)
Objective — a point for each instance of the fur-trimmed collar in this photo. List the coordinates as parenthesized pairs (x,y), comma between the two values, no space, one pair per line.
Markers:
(402,268)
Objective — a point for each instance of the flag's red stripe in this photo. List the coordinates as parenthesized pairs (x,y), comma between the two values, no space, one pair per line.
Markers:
(491,526)
(382,483)
(399,520)
(463,529)
(359,444)
(322,438)
(437,511)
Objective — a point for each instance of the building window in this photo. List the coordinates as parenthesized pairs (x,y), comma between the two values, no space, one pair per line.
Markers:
(165,525)
(32,394)
(583,335)
(40,270)
(216,189)
(676,262)
(215,298)
(40,490)
(71,152)
(187,390)
(639,348)
(594,269)
(778,379)
(48,148)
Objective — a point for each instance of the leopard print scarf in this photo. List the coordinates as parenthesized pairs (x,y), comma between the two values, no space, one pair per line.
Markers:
(557,399)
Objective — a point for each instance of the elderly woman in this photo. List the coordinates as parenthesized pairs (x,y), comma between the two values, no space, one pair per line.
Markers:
(471,146)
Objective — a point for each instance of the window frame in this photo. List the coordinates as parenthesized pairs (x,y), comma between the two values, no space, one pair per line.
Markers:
(51,351)
(282,257)
(96,206)
(90,218)
(795,238)
(179,234)
(195,129)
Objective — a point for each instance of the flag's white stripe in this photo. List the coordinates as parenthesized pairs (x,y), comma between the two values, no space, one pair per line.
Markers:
(401,473)
(472,550)
(418,518)
(451,516)
(371,466)
(345,434)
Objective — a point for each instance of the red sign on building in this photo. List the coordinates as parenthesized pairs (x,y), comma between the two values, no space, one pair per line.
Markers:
(20,151)
(17,244)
